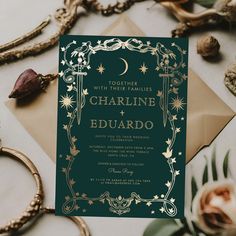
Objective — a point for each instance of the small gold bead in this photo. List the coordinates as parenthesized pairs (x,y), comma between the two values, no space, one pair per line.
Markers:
(12,222)
(25,214)
(30,209)
(33,203)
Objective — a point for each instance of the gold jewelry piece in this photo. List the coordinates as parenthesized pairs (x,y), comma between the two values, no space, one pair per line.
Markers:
(33,209)
(35,206)
(77,220)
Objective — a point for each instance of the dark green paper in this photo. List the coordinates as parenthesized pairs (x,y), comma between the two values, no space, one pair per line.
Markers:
(121,126)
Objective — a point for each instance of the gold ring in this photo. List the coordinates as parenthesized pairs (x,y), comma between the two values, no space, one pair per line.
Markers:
(77,220)
(35,206)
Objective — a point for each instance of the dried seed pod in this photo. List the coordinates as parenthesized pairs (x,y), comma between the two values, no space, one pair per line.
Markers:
(230,79)
(30,82)
(208,46)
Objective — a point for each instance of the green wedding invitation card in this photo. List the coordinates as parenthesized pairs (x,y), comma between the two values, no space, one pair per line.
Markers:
(121,126)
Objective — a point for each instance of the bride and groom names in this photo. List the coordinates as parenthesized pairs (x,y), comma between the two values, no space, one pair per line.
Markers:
(123,101)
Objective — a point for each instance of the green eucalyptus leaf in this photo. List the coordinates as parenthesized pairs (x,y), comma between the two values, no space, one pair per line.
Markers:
(205,173)
(194,187)
(205,3)
(213,165)
(162,227)
(226,164)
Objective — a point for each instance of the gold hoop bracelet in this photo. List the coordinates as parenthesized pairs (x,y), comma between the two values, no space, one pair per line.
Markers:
(35,206)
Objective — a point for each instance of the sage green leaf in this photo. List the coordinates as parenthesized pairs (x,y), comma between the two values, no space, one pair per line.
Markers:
(162,227)
(205,3)
(194,187)
(226,164)
(205,173)
(213,165)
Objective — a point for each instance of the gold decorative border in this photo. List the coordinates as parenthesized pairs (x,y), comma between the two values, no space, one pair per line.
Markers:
(77,59)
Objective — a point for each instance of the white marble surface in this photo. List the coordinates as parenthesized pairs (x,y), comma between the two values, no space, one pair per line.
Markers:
(17,186)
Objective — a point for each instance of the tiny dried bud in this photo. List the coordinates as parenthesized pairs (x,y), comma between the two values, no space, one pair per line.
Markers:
(208,46)
(230,79)
(28,83)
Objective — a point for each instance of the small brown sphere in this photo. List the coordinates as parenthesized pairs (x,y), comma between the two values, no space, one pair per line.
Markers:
(208,46)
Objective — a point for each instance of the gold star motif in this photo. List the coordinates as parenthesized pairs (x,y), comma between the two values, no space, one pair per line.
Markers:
(67,101)
(154,51)
(90,202)
(162,209)
(174,117)
(101,69)
(177,130)
(143,68)
(177,104)
(122,113)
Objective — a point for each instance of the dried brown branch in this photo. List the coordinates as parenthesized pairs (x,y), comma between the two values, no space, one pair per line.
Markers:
(66,17)
(25,38)
(187,19)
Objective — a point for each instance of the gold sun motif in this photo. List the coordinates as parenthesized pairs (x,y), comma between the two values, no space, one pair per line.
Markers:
(177,104)
(143,68)
(67,101)
(101,68)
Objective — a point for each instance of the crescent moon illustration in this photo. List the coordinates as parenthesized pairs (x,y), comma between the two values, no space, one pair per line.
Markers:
(126,66)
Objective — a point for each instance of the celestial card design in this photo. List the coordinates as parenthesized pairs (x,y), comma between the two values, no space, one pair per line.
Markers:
(121,126)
